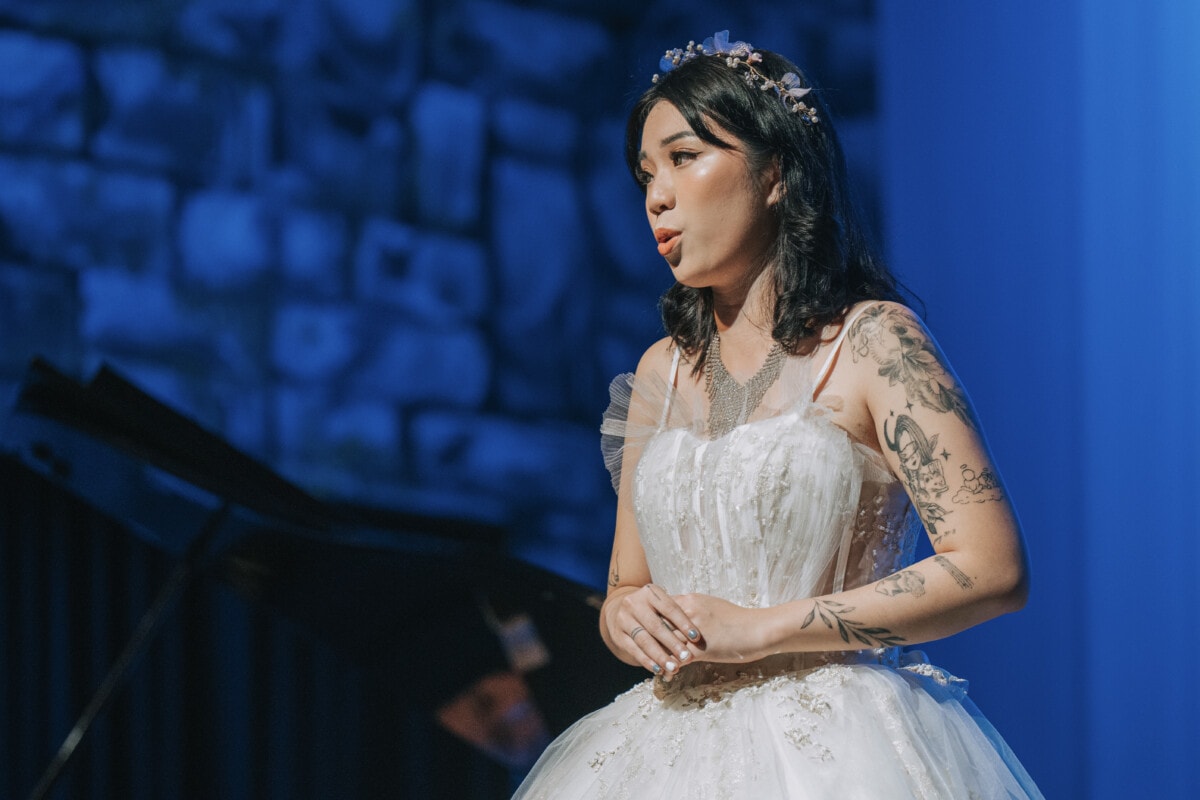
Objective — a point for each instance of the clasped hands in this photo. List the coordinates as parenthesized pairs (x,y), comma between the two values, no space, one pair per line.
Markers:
(663,632)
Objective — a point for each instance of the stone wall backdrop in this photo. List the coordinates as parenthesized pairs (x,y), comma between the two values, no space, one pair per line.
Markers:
(388,247)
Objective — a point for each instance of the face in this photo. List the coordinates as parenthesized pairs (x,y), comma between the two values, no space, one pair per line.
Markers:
(710,215)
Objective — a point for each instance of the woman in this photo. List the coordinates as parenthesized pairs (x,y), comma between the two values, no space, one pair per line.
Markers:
(774,452)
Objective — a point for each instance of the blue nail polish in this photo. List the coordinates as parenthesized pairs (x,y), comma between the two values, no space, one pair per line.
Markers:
(693,633)
(657,669)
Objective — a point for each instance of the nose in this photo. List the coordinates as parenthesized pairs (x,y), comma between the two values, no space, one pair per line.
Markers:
(660,195)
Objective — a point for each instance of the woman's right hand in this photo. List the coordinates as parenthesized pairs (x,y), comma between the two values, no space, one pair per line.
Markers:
(647,627)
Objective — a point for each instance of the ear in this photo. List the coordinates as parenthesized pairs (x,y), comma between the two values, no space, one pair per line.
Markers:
(773,181)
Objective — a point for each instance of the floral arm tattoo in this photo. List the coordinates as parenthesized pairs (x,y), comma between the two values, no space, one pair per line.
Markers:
(906,356)
(833,615)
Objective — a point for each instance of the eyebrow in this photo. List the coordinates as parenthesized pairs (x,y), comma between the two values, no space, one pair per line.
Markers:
(674,137)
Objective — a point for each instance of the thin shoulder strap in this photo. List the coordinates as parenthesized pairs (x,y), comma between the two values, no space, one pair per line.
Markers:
(823,373)
(843,557)
(662,422)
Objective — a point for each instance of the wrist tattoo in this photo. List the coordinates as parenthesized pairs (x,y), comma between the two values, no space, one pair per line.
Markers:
(833,615)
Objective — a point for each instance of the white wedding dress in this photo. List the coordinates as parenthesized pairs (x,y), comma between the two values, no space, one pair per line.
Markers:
(785,506)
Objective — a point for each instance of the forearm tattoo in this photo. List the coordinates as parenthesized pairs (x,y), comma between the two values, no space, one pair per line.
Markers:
(614,575)
(903,582)
(833,615)
(960,577)
(905,355)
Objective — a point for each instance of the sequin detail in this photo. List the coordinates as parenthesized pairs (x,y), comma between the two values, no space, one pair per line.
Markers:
(731,403)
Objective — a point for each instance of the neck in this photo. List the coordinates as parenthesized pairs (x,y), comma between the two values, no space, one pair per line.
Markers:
(746,310)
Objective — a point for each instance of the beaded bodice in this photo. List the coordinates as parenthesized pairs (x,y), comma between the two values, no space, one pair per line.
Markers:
(778,509)
(782,506)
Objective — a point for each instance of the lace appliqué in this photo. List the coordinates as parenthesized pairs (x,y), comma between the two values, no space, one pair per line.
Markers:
(955,686)
(808,709)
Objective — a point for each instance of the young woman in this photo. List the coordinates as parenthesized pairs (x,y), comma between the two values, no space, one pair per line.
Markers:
(772,456)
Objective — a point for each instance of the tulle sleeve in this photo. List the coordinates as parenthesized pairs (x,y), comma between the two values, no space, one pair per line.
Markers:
(637,409)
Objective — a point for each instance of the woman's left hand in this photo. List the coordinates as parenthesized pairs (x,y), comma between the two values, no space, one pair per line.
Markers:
(731,633)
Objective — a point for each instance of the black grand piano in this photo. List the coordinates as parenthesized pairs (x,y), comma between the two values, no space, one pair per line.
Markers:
(183,622)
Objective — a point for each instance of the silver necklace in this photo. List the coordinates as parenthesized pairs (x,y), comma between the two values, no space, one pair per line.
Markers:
(730,403)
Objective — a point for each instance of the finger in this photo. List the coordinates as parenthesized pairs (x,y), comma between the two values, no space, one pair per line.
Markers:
(670,617)
(649,652)
(674,617)
(692,635)
(679,637)
(658,644)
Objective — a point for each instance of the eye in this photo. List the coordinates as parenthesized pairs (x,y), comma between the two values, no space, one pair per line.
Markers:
(680,157)
(643,177)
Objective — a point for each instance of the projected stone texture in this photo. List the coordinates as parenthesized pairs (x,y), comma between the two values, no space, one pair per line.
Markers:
(387,246)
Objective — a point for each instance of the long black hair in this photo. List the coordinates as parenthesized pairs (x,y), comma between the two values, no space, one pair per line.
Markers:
(822,261)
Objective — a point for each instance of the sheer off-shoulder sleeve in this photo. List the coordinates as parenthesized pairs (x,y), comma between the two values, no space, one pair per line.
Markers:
(637,409)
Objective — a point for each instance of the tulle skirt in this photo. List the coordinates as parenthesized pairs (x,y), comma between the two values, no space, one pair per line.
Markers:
(839,731)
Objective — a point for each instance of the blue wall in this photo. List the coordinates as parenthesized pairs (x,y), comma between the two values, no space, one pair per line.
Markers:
(1042,187)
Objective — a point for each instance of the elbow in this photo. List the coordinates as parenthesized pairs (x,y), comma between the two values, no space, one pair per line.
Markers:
(1012,590)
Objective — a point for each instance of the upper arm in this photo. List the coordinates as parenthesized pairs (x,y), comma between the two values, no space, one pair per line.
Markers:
(931,437)
(627,566)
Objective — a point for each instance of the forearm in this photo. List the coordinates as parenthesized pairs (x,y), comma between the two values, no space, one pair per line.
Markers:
(935,598)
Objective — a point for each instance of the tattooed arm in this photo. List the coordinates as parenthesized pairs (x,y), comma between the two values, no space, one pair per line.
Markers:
(892,375)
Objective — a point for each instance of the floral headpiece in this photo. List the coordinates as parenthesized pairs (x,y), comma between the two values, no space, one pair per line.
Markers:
(741,54)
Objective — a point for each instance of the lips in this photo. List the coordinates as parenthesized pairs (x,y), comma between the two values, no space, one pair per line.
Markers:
(668,239)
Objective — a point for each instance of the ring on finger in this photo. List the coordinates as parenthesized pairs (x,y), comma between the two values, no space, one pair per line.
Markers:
(667,623)
(633,633)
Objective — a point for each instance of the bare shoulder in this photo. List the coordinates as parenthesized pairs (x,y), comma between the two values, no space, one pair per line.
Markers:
(657,359)
(874,320)
(866,338)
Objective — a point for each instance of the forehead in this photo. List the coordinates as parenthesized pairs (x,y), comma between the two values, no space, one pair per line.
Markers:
(663,121)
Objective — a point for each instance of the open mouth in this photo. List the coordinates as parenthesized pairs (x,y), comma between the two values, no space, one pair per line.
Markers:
(668,240)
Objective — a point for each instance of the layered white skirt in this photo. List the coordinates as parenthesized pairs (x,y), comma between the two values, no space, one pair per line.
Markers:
(841,731)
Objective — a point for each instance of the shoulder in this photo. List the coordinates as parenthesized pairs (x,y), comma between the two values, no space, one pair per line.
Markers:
(895,356)
(875,318)
(880,331)
(886,343)
(657,359)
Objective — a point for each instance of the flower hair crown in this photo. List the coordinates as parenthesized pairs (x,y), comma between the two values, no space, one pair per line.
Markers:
(741,54)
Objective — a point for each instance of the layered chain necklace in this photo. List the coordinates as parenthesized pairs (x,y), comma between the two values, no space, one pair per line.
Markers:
(730,403)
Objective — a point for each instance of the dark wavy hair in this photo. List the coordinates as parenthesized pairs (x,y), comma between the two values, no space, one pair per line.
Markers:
(822,261)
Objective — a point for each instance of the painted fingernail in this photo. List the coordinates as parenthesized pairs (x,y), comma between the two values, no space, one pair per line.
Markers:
(684,655)
(657,669)
(693,633)
(671,666)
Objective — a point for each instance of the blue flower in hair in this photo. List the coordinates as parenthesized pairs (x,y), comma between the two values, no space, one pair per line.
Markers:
(742,54)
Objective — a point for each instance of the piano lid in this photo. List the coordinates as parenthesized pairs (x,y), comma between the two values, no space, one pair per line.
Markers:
(115,412)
